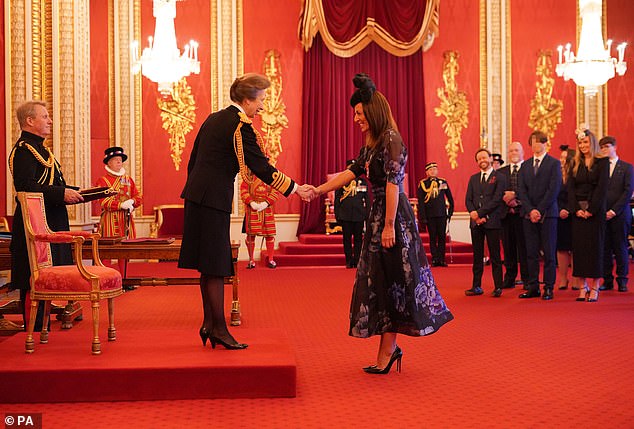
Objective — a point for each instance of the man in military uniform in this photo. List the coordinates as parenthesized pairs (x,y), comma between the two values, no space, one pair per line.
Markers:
(351,205)
(435,208)
(35,169)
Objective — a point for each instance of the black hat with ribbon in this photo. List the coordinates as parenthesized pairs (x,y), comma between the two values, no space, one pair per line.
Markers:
(113,151)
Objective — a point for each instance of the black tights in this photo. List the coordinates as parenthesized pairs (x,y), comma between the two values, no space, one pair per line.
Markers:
(212,290)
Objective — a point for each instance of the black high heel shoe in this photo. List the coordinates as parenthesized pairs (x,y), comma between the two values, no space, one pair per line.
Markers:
(204,334)
(586,294)
(236,346)
(593,295)
(397,355)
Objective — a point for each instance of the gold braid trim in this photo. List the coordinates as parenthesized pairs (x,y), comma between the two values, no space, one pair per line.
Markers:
(247,175)
(350,190)
(49,165)
(432,191)
(281,182)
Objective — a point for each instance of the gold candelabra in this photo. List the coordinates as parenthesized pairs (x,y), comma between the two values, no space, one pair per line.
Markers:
(178,112)
(545,111)
(453,106)
(273,117)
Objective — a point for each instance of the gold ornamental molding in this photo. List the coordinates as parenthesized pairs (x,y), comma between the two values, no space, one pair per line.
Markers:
(545,113)
(178,112)
(453,106)
(273,117)
(313,21)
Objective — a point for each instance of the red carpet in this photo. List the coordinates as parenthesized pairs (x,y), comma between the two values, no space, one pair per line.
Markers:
(146,362)
(502,363)
(327,250)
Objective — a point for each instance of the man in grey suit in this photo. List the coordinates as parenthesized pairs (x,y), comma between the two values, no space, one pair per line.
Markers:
(539,183)
(618,216)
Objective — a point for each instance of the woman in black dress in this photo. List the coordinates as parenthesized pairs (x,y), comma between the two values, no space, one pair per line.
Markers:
(564,234)
(394,290)
(226,143)
(587,199)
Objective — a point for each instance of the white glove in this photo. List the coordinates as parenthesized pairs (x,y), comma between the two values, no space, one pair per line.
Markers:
(262,206)
(128,205)
(254,205)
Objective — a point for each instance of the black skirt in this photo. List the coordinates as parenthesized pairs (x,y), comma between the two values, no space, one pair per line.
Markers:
(206,244)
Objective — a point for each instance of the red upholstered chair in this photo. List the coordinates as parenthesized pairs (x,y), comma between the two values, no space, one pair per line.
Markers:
(332,227)
(64,282)
(168,221)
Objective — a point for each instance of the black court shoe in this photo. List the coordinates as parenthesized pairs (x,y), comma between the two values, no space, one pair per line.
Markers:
(397,356)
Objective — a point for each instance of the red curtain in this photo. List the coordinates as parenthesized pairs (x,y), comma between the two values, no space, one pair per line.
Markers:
(329,137)
(401,18)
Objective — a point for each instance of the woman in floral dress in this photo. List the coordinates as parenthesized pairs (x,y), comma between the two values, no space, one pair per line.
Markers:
(394,290)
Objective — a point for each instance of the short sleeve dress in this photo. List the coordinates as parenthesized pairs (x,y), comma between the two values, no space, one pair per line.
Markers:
(394,289)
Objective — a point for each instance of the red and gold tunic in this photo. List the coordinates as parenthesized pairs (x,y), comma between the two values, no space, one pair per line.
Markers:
(113,219)
(262,222)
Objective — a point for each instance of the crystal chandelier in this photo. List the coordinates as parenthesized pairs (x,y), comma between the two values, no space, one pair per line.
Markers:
(593,65)
(162,61)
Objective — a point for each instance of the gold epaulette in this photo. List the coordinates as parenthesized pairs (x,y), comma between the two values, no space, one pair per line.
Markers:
(350,190)
(431,191)
(49,165)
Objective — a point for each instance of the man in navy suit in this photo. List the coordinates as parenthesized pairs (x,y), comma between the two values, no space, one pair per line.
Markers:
(484,203)
(618,216)
(539,183)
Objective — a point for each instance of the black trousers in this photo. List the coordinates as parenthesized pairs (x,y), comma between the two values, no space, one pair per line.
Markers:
(616,233)
(541,236)
(514,249)
(352,239)
(478,234)
(437,229)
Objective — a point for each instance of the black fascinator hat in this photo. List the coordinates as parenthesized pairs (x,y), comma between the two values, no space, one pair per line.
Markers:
(365,89)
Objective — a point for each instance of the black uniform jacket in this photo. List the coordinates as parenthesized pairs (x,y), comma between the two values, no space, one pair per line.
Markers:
(349,207)
(435,207)
(27,177)
(213,164)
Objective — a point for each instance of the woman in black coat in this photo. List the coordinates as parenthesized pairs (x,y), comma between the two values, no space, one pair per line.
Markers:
(226,144)
(587,199)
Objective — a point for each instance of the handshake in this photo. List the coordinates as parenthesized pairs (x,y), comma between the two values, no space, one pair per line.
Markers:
(308,192)
(258,207)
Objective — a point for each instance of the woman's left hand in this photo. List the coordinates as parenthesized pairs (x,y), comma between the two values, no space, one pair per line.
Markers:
(388,237)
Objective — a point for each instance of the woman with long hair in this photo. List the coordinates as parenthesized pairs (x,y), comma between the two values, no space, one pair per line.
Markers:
(587,199)
(394,290)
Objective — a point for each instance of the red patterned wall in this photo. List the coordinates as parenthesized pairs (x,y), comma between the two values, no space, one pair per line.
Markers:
(536,25)
(458,32)
(99,96)
(272,24)
(620,15)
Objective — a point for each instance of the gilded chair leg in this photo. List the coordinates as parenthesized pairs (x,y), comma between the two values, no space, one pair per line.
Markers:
(47,313)
(96,344)
(30,345)
(112,332)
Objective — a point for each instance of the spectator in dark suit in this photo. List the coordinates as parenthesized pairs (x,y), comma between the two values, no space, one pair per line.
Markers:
(351,210)
(539,183)
(485,206)
(618,216)
(513,231)
(435,208)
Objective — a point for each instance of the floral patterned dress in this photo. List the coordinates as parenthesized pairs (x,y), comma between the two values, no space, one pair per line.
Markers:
(394,290)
